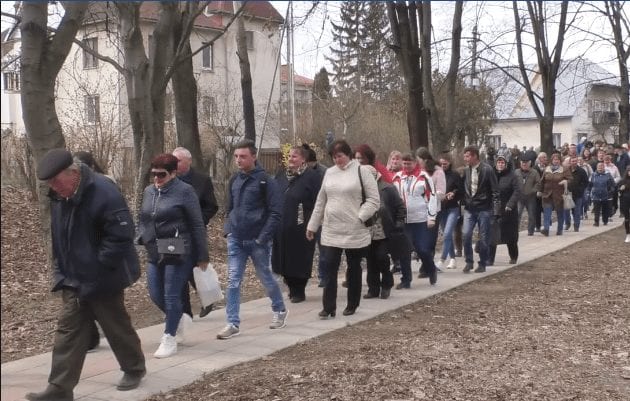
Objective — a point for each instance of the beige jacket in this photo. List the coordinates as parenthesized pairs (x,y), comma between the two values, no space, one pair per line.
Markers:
(338,208)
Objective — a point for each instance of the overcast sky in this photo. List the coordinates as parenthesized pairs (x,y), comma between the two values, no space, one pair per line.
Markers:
(313,36)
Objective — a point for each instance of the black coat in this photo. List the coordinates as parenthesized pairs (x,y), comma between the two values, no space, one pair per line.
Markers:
(292,254)
(393,214)
(92,239)
(202,184)
(509,193)
(579,183)
(487,195)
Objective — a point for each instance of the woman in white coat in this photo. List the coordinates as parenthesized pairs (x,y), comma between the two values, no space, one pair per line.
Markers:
(346,202)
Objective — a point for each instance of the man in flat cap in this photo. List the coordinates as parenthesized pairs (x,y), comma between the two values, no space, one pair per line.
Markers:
(94,260)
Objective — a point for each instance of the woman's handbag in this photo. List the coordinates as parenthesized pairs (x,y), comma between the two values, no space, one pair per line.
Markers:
(567,197)
(171,246)
(208,286)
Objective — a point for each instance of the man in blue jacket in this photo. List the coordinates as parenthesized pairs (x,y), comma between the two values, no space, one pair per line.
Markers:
(94,260)
(254,208)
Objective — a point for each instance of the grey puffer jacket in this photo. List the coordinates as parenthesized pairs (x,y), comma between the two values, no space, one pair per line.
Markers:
(171,209)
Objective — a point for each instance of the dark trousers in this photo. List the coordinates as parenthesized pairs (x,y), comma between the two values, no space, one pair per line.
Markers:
(602,208)
(297,286)
(625,211)
(72,337)
(512,251)
(539,210)
(332,257)
(186,307)
(378,273)
(457,235)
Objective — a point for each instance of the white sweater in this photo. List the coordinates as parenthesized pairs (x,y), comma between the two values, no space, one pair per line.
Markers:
(338,208)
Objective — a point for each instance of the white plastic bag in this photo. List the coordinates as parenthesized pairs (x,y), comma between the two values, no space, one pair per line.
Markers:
(208,286)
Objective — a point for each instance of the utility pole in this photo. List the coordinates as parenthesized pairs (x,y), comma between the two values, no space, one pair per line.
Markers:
(291,79)
(474,81)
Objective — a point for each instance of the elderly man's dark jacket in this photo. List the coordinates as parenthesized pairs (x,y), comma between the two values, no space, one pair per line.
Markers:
(487,195)
(202,184)
(92,239)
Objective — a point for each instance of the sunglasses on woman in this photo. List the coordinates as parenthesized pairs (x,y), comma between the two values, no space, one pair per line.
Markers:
(159,174)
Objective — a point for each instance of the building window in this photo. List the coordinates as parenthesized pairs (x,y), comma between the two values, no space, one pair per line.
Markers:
(92,109)
(557,140)
(207,57)
(494,141)
(249,36)
(208,107)
(90,61)
(11,81)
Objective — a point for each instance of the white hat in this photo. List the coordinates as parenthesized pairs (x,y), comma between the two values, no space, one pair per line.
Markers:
(583,138)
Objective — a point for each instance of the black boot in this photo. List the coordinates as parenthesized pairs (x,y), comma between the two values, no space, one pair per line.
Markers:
(52,393)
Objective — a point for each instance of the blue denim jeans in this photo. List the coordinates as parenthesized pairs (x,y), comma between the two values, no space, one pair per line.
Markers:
(472,219)
(421,238)
(448,223)
(166,283)
(238,251)
(547,219)
(576,211)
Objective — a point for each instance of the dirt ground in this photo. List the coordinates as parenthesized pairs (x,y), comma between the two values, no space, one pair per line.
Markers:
(557,328)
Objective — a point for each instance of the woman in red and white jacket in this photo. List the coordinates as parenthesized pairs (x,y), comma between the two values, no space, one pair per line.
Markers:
(416,190)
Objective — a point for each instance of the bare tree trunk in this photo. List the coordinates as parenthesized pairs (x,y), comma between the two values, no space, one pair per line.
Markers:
(145,81)
(40,62)
(548,65)
(246,80)
(617,22)
(185,91)
(404,26)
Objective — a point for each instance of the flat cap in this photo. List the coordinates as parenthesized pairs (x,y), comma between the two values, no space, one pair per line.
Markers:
(53,162)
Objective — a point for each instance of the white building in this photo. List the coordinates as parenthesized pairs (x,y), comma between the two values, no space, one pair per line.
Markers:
(91,97)
(587,100)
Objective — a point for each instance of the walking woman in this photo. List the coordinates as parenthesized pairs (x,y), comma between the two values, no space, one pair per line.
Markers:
(554,182)
(624,200)
(509,194)
(450,210)
(342,213)
(170,209)
(292,255)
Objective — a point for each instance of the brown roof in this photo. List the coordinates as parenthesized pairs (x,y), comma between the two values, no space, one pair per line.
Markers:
(298,79)
(258,9)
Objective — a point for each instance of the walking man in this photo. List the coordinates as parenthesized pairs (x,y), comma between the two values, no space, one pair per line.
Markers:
(94,260)
(254,208)
(202,184)
(481,204)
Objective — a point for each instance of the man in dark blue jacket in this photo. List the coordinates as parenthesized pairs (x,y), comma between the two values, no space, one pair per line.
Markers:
(254,209)
(94,261)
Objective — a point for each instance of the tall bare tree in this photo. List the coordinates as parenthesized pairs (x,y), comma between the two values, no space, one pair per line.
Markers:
(620,25)
(548,57)
(403,20)
(42,58)
(442,126)
(246,78)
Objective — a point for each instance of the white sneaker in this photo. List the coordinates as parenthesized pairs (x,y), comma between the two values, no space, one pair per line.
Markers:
(167,347)
(452,264)
(279,320)
(184,326)
(627,241)
(228,331)
(440,264)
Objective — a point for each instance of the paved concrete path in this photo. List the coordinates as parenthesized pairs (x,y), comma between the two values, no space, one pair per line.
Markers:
(203,353)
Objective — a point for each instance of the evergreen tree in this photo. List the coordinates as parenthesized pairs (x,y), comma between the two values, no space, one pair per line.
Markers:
(321,105)
(347,53)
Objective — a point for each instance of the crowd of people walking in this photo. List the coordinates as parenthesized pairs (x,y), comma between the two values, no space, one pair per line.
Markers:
(359,207)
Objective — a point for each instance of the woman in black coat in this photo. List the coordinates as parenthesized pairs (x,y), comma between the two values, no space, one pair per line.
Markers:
(292,255)
(508,222)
